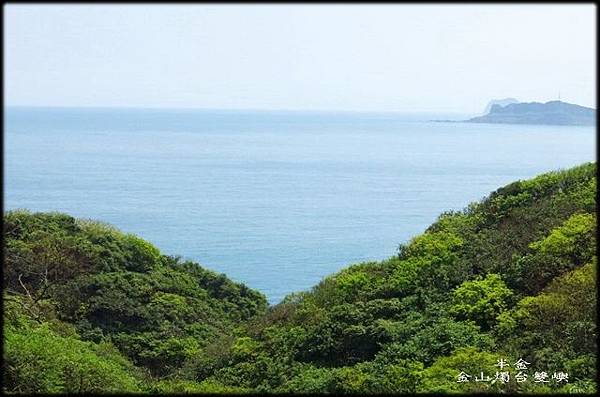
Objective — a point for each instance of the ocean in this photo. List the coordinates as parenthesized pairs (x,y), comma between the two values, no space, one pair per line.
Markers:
(276,200)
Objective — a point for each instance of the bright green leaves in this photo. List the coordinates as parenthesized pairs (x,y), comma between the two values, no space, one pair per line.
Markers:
(481,300)
(559,184)
(434,246)
(140,255)
(565,312)
(427,264)
(565,240)
(557,329)
(442,376)
(244,347)
(567,247)
(37,359)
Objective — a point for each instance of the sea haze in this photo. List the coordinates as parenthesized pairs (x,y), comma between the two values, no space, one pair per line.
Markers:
(277,200)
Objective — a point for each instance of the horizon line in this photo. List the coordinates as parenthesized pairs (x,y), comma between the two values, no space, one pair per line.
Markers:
(258,109)
(233,109)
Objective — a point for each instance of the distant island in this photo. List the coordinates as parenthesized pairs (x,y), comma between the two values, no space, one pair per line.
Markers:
(549,113)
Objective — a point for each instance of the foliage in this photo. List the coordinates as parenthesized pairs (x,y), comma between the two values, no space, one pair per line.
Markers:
(481,300)
(513,276)
(38,359)
(157,310)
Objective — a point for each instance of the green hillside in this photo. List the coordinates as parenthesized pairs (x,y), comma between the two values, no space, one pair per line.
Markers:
(88,308)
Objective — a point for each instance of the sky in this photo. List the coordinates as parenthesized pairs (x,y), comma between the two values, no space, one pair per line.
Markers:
(387,57)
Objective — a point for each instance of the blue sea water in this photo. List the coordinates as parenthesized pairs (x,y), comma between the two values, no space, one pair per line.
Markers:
(277,200)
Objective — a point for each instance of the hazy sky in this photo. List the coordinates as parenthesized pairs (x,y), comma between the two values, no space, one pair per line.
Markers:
(347,57)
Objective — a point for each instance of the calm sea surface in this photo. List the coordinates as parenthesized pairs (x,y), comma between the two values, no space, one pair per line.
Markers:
(276,200)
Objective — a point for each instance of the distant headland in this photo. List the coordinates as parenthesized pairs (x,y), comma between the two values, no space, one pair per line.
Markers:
(549,113)
(510,111)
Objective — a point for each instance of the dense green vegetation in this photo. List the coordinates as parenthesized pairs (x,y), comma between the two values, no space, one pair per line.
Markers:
(88,308)
(88,289)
